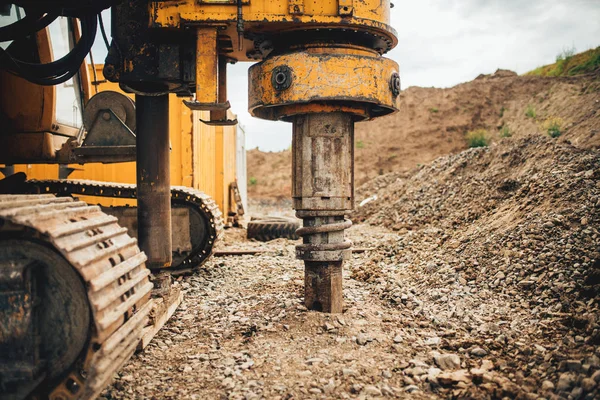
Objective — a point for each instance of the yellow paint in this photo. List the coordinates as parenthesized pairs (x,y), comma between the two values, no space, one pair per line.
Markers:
(194,156)
(372,16)
(326,12)
(340,77)
(207,85)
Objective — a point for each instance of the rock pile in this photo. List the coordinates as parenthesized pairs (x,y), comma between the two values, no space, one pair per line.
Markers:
(501,243)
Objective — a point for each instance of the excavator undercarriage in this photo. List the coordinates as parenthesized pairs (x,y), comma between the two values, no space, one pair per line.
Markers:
(198,219)
(74,293)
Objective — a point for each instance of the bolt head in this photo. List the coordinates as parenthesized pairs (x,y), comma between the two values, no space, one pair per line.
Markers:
(109,71)
(281,77)
(395,84)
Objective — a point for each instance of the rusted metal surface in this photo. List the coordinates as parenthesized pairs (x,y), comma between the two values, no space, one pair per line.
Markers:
(211,78)
(323,192)
(110,122)
(264,20)
(205,218)
(20,361)
(154,179)
(207,69)
(72,243)
(218,117)
(323,162)
(120,105)
(332,78)
(323,286)
(237,199)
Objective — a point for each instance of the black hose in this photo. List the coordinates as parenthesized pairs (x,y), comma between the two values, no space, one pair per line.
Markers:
(58,71)
(30,24)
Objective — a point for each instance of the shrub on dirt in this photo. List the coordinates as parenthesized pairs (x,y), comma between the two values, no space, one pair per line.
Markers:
(530,112)
(252,181)
(505,131)
(477,138)
(553,126)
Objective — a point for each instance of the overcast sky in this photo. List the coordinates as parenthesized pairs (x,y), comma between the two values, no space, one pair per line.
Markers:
(445,42)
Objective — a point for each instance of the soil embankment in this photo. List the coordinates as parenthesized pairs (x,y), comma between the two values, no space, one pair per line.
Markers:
(433,122)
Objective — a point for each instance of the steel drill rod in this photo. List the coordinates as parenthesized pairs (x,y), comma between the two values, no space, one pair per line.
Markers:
(323,286)
(323,179)
(153,179)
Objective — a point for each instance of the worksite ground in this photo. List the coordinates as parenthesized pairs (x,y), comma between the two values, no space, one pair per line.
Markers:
(419,331)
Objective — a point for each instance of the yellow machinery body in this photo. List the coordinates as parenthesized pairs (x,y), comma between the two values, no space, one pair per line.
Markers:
(203,157)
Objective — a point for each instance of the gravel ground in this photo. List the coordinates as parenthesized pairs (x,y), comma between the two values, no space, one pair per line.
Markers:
(243,333)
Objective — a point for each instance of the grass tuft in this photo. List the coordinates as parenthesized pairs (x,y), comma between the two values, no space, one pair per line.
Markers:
(530,112)
(568,63)
(553,126)
(252,181)
(477,138)
(505,131)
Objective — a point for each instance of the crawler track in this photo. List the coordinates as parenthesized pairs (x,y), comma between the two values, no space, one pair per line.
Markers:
(180,195)
(112,270)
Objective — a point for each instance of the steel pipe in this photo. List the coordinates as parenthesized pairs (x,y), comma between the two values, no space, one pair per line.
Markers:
(323,192)
(153,179)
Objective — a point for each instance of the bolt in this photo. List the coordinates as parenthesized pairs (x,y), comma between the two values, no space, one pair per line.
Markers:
(109,71)
(72,386)
(395,84)
(106,115)
(281,78)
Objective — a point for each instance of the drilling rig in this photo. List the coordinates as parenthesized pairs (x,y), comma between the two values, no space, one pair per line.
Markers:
(317,64)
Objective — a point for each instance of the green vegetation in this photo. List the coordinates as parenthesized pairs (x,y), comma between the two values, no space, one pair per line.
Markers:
(502,111)
(252,181)
(568,63)
(530,112)
(477,138)
(360,144)
(505,131)
(433,110)
(553,126)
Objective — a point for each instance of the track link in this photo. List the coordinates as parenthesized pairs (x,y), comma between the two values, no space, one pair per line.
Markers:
(189,197)
(113,269)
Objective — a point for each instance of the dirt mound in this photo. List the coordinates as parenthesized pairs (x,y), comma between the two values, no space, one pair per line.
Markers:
(433,122)
(269,174)
(517,225)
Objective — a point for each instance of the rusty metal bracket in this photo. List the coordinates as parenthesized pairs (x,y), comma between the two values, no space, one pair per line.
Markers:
(197,106)
(108,130)
(220,122)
